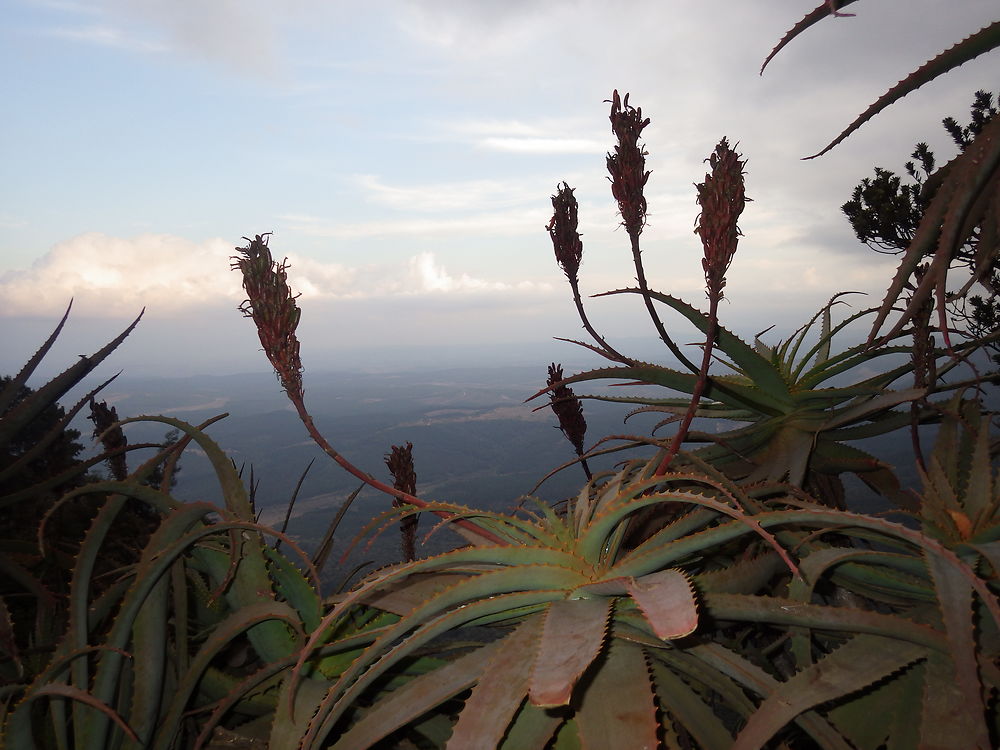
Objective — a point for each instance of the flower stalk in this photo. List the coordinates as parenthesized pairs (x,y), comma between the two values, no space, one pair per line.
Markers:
(722,198)
(399,461)
(628,175)
(569,411)
(272,307)
(568,248)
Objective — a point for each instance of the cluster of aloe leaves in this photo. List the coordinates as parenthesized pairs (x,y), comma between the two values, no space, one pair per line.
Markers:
(718,597)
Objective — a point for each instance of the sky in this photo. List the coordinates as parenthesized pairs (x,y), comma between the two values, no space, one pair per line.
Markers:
(403,154)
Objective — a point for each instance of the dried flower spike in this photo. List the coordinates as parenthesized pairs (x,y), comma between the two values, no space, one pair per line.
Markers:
(627,165)
(567,408)
(563,231)
(400,464)
(722,199)
(272,306)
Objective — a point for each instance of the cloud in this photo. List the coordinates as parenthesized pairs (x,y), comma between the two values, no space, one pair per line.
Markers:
(432,277)
(546,135)
(242,35)
(112,276)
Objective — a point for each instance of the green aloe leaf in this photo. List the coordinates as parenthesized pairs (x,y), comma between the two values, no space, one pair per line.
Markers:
(685,706)
(764,375)
(744,672)
(295,588)
(863,660)
(954,592)
(573,634)
(984,40)
(533,729)
(293,715)
(946,222)
(18,727)
(346,691)
(881,717)
(9,393)
(221,636)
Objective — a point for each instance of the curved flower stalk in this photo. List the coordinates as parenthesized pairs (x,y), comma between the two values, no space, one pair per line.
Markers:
(568,247)
(722,197)
(271,305)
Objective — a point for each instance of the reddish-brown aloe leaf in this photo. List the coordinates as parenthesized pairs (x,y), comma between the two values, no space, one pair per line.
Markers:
(667,600)
(617,709)
(499,693)
(863,660)
(573,633)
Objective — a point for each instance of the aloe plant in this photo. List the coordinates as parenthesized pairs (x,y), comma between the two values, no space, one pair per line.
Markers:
(137,658)
(589,628)
(795,425)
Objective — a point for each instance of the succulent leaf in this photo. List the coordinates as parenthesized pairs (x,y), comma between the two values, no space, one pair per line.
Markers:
(863,660)
(572,636)
(667,600)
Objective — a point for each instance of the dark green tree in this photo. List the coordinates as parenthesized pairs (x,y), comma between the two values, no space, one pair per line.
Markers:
(886,209)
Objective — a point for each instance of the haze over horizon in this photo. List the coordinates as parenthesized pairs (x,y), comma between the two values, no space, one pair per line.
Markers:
(404,152)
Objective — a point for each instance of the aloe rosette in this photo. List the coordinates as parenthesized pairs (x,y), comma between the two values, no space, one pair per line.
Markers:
(795,425)
(588,628)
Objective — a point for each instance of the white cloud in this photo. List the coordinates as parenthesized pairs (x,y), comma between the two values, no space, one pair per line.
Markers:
(546,135)
(242,35)
(432,277)
(112,276)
